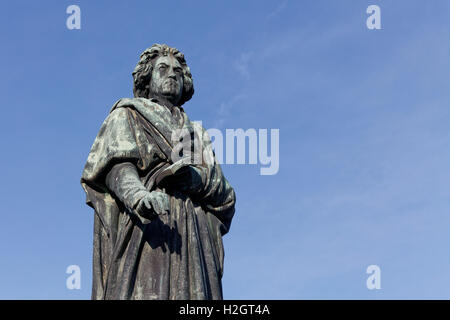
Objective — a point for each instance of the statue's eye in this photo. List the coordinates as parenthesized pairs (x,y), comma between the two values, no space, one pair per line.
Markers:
(162,66)
(178,70)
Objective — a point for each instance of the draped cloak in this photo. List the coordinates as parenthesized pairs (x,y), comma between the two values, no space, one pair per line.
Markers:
(176,256)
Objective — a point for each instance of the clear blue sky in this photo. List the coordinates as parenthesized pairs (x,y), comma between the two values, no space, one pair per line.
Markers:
(364,119)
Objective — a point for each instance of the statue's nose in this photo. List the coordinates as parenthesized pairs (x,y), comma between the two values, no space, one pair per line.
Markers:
(172,74)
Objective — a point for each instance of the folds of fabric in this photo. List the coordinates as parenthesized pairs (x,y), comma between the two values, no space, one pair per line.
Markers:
(177,256)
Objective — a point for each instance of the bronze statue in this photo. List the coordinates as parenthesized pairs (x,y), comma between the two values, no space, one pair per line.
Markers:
(159,219)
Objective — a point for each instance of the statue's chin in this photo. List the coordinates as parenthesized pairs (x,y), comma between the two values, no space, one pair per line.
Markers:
(170,96)
(173,96)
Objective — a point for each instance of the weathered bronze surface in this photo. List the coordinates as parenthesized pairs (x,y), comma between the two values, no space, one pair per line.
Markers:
(159,220)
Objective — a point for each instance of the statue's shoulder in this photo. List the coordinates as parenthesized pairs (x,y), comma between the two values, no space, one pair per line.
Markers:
(126,102)
(145,107)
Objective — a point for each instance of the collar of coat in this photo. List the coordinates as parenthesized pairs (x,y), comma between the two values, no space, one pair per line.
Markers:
(158,115)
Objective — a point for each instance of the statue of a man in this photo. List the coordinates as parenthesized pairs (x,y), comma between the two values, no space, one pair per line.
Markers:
(159,219)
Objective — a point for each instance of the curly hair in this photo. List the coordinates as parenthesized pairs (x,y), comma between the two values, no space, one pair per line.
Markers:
(143,71)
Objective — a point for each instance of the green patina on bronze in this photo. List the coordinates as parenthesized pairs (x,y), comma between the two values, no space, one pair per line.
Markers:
(157,230)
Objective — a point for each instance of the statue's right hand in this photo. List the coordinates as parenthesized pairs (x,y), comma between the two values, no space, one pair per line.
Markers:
(152,204)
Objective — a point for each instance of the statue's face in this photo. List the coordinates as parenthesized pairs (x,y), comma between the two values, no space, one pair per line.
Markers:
(167,79)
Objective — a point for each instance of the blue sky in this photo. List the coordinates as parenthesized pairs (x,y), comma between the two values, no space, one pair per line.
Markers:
(364,138)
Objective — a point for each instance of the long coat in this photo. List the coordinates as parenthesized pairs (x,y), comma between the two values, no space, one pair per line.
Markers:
(176,256)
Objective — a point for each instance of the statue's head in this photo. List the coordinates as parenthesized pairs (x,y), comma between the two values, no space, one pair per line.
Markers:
(163,73)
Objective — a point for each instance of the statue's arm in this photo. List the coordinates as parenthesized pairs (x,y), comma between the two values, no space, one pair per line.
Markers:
(124,182)
(217,194)
(213,190)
